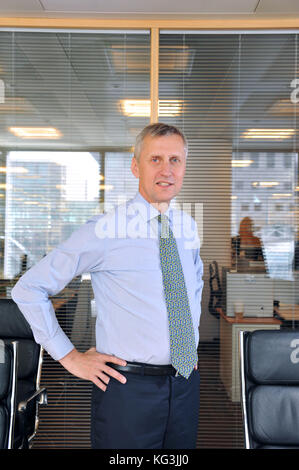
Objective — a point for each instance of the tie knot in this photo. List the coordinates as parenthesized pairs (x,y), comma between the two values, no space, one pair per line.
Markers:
(164,221)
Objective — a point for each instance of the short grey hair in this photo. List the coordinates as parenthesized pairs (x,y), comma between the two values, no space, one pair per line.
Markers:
(157,129)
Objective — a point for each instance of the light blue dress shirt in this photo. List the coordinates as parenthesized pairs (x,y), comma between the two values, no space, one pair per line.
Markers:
(120,250)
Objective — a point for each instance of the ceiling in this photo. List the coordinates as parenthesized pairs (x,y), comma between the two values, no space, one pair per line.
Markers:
(46,81)
(75,83)
(142,8)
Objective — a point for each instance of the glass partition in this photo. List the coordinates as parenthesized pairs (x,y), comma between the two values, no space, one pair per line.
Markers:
(67,127)
(236,97)
(71,104)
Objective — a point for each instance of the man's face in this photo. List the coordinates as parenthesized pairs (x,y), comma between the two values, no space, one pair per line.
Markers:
(161,168)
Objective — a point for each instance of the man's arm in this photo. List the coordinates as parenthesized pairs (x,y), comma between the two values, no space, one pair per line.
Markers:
(82,252)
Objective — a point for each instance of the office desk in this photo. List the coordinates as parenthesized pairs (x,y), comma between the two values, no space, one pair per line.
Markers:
(229,348)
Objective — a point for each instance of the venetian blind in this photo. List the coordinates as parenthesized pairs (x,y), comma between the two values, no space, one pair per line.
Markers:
(67,120)
(231,93)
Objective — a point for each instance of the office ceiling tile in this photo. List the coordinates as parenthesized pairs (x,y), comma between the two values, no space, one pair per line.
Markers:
(154,6)
(20,5)
(277,6)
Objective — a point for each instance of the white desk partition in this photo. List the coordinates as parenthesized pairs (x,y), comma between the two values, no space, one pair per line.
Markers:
(258,291)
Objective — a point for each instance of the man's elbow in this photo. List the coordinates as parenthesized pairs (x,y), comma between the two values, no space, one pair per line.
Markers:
(15,292)
(20,292)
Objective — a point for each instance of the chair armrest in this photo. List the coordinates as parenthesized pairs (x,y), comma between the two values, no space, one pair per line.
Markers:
(41,393)
(41,396)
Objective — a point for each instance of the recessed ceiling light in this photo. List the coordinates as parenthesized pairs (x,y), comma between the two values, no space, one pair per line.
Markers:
(268,133)
(13,169)
(142,108)
(241,163)
(36,132)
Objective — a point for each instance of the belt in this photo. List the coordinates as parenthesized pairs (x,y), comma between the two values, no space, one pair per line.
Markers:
(145,369)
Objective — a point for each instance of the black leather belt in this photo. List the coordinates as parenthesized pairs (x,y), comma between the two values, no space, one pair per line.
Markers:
(144,369)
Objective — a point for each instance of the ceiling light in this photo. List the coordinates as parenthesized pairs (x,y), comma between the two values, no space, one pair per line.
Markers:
(36,132)
(13,169)
(169,108)
(135,108)
(241,163)
(106,187)
(130,58)
(277,195)
(268,184)
(268,133)
(142,108)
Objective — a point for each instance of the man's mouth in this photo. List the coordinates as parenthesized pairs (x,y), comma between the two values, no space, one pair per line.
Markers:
(164,184)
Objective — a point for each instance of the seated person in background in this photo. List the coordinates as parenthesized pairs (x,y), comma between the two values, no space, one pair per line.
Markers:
(246,244)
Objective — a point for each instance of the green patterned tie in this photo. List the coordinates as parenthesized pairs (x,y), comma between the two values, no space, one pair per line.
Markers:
(182,341)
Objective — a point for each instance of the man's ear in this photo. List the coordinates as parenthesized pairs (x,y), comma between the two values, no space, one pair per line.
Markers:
(135,167)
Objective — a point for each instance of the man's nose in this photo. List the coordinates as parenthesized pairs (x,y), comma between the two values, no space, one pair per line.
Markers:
(166,168)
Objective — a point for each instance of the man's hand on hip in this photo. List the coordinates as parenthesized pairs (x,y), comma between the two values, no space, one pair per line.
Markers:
(91,365)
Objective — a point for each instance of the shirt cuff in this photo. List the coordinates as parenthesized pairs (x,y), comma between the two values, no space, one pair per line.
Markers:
(59,346)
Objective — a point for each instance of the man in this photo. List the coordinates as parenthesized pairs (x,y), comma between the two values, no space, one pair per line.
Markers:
(147,279)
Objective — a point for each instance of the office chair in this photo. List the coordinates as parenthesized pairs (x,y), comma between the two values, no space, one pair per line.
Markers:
(28,396)
(8,372)
(215,300)
(270,388)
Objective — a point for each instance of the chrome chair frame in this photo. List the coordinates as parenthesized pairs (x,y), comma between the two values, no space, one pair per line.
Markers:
(22,406)
(13,395)
(243,390)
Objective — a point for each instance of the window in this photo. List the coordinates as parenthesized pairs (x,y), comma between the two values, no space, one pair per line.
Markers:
(88,96)
(69,120)
(270,159)
(239,185)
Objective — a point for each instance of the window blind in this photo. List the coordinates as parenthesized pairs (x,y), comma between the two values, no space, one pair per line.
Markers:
(65,127)
(71,104)
(234,101)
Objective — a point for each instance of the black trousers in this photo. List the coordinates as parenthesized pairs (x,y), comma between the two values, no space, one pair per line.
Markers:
(147,412)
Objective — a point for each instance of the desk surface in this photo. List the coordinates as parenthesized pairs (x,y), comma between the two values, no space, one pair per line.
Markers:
(250,320)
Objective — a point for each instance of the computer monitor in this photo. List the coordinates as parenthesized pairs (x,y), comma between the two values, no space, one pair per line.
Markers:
(278,244)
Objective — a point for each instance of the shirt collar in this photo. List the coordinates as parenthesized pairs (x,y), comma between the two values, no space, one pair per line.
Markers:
(147,210)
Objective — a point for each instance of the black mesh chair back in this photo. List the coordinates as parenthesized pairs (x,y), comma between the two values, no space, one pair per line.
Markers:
(270,388)
(215,300)
(14,327)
